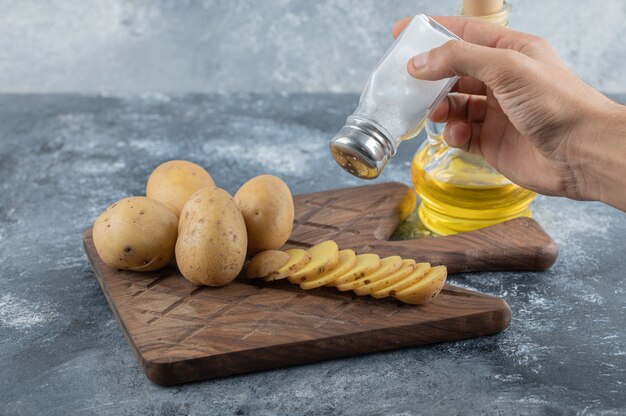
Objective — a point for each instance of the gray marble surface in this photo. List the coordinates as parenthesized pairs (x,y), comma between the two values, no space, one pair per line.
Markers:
(64,158)
(263,46)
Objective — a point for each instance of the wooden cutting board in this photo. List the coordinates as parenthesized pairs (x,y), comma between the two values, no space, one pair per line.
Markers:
(180,332)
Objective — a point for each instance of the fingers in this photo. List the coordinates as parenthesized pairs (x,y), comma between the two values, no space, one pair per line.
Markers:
(464,115)
(458,58)
(464,107)
(493,36)
(469,85)
(464,136)
(457,134)
(479,32)
(399,26)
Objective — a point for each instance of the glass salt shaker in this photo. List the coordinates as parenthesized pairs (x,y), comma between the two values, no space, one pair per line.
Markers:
(393,106)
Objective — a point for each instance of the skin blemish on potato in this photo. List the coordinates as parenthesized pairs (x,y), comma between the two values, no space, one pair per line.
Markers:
(128,250)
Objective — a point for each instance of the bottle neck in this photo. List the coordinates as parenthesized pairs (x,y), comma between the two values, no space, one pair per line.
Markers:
(434,133)
(491,11)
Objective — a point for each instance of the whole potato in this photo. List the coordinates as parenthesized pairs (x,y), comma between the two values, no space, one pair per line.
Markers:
(136,233)
(212,238)
(173,183)
(267,207)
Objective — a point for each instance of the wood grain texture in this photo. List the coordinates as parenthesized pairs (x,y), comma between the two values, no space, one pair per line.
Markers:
(180,332)
(363,218)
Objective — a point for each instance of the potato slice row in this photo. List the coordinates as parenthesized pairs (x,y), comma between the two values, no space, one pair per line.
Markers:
(365,274)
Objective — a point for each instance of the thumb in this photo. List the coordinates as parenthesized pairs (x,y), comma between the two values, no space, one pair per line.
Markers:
(465,59)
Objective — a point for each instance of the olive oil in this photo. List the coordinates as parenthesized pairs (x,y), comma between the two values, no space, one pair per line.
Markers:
(461,192)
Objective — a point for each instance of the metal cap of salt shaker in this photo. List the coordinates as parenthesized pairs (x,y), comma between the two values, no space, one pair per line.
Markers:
(361,148)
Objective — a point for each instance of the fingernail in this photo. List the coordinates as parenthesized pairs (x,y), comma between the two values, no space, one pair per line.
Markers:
(419,61)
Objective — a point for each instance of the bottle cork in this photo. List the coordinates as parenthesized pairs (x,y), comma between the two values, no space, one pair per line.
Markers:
(481,7)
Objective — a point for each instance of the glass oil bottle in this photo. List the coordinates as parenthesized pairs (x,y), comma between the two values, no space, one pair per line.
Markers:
(460,191)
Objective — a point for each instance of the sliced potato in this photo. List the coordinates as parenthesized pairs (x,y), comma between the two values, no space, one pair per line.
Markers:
(324,257)
(266,262)
(298,258)
(388,265)
(365,264)
(347,258)
(426,289)
(418,273)
(408,265)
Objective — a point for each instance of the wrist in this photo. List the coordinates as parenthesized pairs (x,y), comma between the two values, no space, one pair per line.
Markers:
(597,160)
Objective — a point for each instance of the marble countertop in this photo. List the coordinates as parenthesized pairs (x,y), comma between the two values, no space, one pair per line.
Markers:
(64,158)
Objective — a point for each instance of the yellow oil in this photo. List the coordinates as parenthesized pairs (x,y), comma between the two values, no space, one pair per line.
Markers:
(461,192)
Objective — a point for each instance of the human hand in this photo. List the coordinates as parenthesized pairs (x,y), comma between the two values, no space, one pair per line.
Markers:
(518,106)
